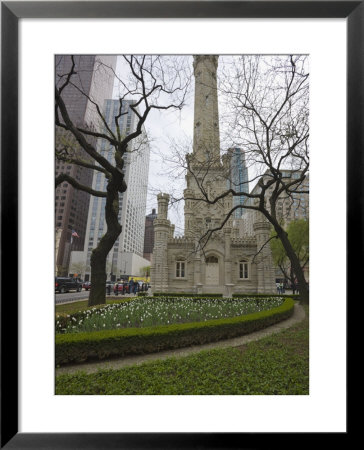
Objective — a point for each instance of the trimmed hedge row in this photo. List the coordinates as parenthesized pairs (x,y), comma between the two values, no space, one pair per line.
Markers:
(186,294)
(79,347)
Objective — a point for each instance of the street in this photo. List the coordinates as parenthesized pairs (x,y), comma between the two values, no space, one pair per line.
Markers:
(71,296)
(83,295)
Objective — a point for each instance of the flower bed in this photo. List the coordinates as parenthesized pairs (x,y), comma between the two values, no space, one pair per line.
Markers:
(78,347)
(189,295)
(149,312)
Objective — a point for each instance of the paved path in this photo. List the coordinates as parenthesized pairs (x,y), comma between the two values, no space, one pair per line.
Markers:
(117,363)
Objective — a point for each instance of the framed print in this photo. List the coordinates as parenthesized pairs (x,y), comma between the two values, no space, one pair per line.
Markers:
(179,422)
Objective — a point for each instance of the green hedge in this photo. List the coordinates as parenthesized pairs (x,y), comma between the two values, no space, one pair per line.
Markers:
(79,347)
(185,294)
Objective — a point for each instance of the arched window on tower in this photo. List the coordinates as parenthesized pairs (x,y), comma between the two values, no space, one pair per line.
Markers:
(212,260)
(243,269)
(180,269)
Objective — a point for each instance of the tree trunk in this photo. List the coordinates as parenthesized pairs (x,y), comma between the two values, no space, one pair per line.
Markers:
(295,264)
(100,253)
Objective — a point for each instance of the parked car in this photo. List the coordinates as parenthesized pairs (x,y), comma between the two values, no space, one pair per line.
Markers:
(66,284)
(87,285)
(121,288)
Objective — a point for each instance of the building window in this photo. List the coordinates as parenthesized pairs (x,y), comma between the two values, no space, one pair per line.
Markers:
(180,269)
(243,270)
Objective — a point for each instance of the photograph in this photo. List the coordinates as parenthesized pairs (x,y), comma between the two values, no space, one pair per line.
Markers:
(182,224)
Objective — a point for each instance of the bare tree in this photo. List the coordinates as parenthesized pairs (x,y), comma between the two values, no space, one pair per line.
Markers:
(149,83)
(265,112)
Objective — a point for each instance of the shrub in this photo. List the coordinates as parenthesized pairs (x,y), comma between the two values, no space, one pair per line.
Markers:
(79,347)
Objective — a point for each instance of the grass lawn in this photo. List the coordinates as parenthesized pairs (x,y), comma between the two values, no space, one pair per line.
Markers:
(275,365)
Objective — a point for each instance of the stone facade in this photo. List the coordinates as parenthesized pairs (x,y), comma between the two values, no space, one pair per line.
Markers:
(230,261)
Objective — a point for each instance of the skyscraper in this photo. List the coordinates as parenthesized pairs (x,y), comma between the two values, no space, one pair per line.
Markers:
(93,80)
(127,253)
(149,234)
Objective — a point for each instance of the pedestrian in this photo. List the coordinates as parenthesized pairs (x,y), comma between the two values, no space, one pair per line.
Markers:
(131,286)
(281,288)
(278,287)
(108,289)
(136,285)
(116,289)
(294,286)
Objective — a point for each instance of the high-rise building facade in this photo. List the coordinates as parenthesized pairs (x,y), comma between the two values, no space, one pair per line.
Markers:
(93,82)
(149,235)
(127,252)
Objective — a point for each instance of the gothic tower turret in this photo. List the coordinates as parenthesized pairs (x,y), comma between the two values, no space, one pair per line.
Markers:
(162,231)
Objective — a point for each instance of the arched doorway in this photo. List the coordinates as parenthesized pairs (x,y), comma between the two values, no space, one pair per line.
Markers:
(212,271)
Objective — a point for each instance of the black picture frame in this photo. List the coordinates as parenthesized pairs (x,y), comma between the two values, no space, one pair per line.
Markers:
(11,12)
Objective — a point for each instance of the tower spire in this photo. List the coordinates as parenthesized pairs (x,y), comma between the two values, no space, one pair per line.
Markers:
(206,136)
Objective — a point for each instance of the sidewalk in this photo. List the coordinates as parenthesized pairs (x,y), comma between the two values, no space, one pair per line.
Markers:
(81,299)
(118,363)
